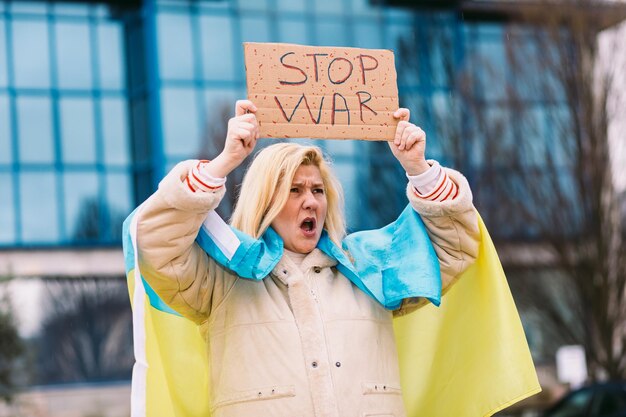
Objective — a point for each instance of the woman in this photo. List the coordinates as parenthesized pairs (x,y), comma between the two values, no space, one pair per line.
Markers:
(305,340)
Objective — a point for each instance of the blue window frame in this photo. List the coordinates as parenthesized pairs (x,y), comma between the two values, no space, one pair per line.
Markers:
(118,103)
(64,123)
(6,145)
(7,210)
(3,47)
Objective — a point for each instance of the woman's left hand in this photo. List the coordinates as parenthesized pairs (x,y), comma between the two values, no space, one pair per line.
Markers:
(409,144)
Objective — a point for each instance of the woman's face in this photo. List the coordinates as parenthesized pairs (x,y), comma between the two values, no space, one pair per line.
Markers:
(301,220)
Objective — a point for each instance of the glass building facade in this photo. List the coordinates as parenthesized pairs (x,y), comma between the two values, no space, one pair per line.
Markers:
(99,100)
(64,125)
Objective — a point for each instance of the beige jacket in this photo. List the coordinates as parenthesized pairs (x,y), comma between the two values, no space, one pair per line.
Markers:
(302,342)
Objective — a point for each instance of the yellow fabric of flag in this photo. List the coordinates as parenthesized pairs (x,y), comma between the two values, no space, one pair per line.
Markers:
(175,383)
(467,358)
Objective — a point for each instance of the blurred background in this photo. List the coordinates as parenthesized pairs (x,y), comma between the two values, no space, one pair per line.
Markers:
(98,99)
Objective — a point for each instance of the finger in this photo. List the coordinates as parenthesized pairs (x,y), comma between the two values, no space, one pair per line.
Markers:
(408,132)
(246,141)
(405,136)
(412,140)
(252,143)
(241,134)
(248,117)
(421,135)
(245,125)
(254,132)
(399,132)
(402,114)
(244,106)
(251,140)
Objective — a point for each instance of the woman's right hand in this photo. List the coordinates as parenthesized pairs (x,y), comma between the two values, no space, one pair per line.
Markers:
(243,132)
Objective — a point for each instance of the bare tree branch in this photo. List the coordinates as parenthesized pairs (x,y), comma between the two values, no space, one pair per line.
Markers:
(535,132)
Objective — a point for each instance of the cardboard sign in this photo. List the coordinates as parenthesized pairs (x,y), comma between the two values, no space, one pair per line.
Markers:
(322,92)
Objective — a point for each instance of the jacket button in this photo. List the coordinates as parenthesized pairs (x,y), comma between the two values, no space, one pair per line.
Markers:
(337,364)
(314,364)
(317,269)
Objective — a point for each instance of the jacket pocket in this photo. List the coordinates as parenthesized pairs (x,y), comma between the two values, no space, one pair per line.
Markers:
(380,388)
(267,393)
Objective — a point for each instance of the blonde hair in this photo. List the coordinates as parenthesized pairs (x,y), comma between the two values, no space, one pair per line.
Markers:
(266,185)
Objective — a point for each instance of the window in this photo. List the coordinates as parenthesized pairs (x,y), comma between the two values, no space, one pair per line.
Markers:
(218,48)
(180,122)
(69,9)
(31,55)
(82,207)
(6,147)
(77,130)
(30,7)
(35,139)
(39,207)
(367,34)
(110,56)
(291,5)
(252,5)
(347,174)
(120,203)
(73,55)
(441,41)
(175,46)
(402,39)
(533,127)
(325,7)
(115,131)
(3,54)
(7,209)
(255,29)
(65,115)
(365,7)
(491,59)
(331,32)
(293,31)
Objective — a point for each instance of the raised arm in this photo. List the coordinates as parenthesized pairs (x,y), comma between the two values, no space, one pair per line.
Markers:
(443,199)
(451,222)
(168,222)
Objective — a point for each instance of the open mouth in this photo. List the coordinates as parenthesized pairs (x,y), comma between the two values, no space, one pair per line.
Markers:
(308,226)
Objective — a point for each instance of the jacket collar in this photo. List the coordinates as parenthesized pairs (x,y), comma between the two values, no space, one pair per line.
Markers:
(393,263)
(315,259)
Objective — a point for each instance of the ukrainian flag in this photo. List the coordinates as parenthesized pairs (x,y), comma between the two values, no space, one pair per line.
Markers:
(467,358)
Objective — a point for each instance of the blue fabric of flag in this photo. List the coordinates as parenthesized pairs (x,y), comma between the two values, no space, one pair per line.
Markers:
(390,264)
